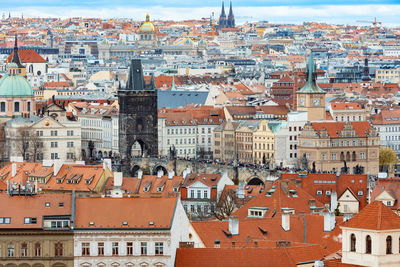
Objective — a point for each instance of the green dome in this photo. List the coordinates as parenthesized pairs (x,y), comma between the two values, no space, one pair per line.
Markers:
(15,86)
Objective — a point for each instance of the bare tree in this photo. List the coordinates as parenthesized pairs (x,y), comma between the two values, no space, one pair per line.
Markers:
(226,205)
(29,144)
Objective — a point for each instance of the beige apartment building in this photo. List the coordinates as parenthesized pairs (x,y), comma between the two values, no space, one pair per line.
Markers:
(387,75)
(248,141)
(332,145)
(348,112)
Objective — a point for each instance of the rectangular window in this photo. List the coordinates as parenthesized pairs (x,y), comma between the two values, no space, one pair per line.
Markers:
(29,220)
(85,249)
(198,193)
(129,248)
(54,144)
(191,193)
(70,155)
(70,144)
(205,194)
(100,248)
(58,249)
(115,248)
(39,133)
(53,133)
(3,107)
(24,250)
(159,248)
(143,248)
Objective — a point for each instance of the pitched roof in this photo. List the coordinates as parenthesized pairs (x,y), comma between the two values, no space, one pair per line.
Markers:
(375,216)
(285,257)
(391,186)
(139,213)
(19,207)
(347,106)
(335,127)
(27,56)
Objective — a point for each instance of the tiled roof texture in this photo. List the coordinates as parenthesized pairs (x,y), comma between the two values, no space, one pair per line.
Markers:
(221,257)
(210,180)
(19,207)
(139,213)
(391,186)
(278,110)
(387,117)
(375,216)
(280,198)
(346,106)
(338,263)
(27,56)
(329,181)
(333,128)
(265,229)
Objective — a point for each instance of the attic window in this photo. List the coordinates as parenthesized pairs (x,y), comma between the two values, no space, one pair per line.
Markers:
(124,223)
(328,193)
(47,204)
(159,189)
(61,204)
(91,223)
(151,223)
(175,189)
(360,193)
(146,189)
(319,193)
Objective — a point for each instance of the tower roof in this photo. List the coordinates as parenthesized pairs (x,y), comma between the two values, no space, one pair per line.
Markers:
(375,216)
(223,10)
(136,79)
(15,58)
(230,11)
(311,86)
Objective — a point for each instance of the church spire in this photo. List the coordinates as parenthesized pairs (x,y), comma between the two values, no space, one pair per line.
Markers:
(311,76)
(223,10)
(15,57)
(230,10)
(173,88)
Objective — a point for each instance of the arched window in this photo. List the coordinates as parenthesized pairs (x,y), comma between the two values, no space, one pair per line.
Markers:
(342,156)
(24,250)
(58,249)
(353,242)
(30,68)
(29,107)
(368,245)
(354,156)
(348,156)
(38,250)
(389,245)
(16,106)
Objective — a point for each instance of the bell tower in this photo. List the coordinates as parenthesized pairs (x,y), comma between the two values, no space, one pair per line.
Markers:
(138,114)
(311,98)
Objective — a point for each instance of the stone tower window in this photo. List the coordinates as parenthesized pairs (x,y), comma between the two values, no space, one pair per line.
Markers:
(389,245)
(368,245)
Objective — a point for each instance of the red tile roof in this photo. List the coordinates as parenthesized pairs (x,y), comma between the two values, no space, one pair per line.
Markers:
(19,207)
(375,216)
(221,257)
(391,186)
(347,106)
(139,213)
(27,56)
(334,128)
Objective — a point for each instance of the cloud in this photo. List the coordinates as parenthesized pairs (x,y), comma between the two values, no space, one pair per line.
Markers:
(338,14)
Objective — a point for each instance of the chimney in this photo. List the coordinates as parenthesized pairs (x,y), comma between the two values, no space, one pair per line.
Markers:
(234,225)
(217,243)
(140,174)
(13,169)
(286,221)
(107,164)
(117,179)
(160,173)
(57,166)
(171,174)
(329,221)
(333,201)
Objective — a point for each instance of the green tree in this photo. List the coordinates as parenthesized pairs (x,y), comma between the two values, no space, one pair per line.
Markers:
(387,157)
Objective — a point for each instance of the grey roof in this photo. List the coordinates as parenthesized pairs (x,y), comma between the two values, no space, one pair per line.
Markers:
(176,99)
(22,120)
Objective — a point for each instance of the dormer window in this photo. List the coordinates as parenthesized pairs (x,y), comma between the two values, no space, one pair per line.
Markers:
(360,193)
(176,189)
(389,203)
(146,189)
(319,192)
(159,189)
(328,193)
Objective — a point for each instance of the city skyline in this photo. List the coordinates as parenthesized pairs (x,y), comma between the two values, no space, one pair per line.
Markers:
(336,12)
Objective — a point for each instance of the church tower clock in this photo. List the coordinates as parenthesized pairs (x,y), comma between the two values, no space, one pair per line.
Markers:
(311,98)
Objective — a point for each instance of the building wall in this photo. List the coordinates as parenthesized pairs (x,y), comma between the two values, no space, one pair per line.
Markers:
(47,241)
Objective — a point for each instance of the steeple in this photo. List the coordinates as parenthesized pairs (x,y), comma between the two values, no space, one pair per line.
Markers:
(15,57)
(223,10)
(230,10)
(311,76)
(231,17)
(136,79)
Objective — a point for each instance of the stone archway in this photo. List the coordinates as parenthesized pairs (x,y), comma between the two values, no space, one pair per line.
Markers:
(138,149)
(255,180)
(158,168)
(134,170)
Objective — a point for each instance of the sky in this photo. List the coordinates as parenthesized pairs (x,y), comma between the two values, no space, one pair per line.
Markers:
(274,11)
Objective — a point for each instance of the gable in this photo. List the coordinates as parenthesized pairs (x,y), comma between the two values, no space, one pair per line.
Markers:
(385,196)
(348,196)
(48,122)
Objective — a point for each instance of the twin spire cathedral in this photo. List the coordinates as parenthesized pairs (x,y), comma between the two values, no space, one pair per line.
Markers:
(226,22)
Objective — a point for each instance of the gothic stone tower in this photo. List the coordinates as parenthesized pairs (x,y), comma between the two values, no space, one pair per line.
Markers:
(138,114)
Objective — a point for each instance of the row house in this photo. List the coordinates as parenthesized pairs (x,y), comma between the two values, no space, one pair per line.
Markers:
(348,112)
(387,124)
(190,131)
(248,141)
(124,239)
(326,146)
(52,136)
(35,229)
(286,138)
(99,123)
